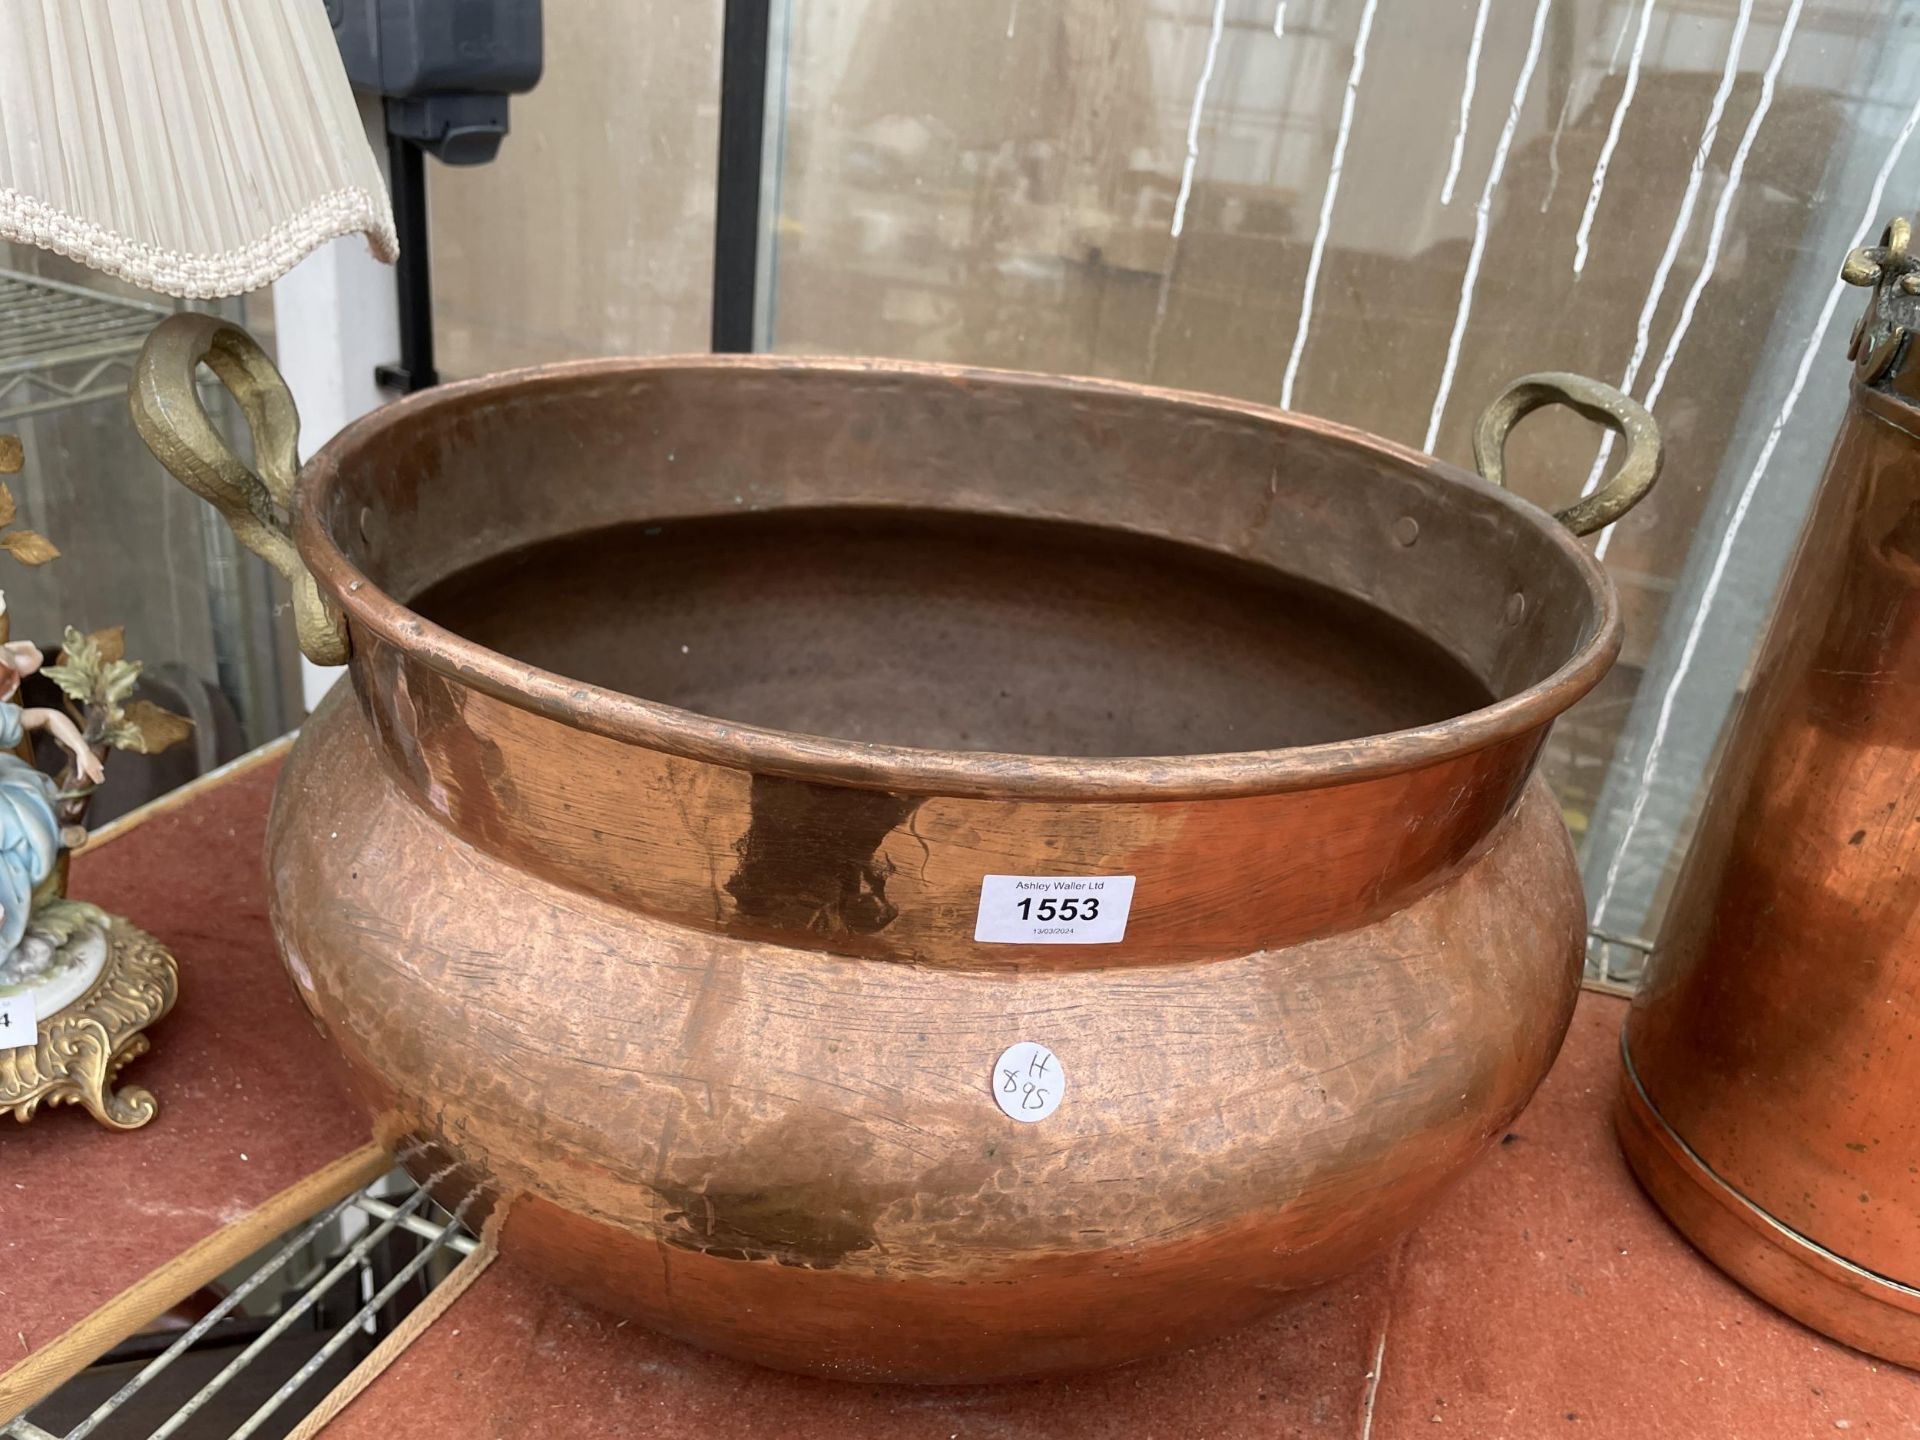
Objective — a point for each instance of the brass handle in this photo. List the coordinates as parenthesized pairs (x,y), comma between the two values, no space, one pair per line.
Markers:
(1601,404)
(167,412)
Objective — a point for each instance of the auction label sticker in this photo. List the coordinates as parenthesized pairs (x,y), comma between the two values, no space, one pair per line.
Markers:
(1053,909)
(17,1024)
(1028,1081)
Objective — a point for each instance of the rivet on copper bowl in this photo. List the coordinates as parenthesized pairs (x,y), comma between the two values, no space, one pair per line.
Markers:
(645,871)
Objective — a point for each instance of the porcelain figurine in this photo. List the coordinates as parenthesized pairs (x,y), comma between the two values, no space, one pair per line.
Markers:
(30,844)
(77,986)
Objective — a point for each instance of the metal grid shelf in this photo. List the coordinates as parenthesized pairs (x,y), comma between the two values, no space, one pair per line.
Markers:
(338,1249)
(1616,962)
(64,345)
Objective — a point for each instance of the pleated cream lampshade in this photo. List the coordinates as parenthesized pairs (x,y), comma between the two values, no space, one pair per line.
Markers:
(195,147)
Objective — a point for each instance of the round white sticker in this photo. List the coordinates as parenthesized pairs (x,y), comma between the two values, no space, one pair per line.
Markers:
(1028,1081)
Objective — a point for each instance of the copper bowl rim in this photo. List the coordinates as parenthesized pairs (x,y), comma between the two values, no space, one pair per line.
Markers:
(912,769)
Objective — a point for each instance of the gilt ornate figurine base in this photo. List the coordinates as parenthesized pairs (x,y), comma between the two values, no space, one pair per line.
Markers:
(83,1045)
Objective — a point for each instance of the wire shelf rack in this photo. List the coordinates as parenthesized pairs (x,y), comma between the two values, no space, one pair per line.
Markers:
(1616,963)
(384,1244)
(63,345)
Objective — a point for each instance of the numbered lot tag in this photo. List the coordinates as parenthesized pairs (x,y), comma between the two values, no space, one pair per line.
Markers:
(1053,909)
(1028,1081)
(17,1024)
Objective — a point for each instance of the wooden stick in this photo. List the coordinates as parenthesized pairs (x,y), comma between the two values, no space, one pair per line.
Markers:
(53,1364)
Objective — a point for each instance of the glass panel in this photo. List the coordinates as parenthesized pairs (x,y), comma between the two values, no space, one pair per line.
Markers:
(1380,214)
(592,233)
(136,548)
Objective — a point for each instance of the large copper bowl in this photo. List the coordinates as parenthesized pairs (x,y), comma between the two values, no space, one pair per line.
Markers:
(637,871)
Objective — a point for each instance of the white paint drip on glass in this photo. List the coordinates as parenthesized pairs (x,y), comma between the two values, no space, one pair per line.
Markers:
(1280,20)
(1013,16)
(1612,141)
(1216,26)
(1327,198)
(1469,84)
(1723,209)
(1482,214)
(1553,147)
(1676,237)
(1566,110)
(1160,316)
(1716,231)
(1620,42)
(1869,223)
(1193,119)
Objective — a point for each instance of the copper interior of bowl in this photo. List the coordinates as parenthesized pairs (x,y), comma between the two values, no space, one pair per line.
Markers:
(960,561)
(957,632)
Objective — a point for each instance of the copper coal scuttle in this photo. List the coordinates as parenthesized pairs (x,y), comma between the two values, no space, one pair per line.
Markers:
(1771,1097)
(917,873)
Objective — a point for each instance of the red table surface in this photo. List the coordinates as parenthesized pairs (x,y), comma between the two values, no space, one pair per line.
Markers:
(1545,1297)
(251,1098)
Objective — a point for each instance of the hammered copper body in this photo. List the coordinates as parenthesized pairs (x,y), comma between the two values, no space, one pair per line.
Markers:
(693,998)
(1771,1102)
